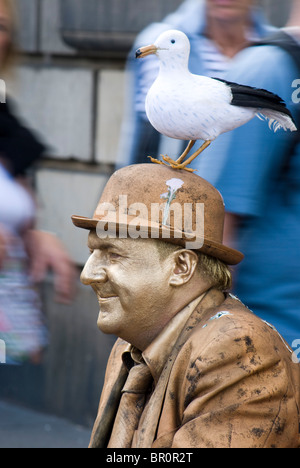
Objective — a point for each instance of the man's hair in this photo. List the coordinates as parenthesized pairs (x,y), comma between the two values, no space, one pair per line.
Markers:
(210,268)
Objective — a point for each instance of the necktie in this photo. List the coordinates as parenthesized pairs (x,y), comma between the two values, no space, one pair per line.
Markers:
(131,406)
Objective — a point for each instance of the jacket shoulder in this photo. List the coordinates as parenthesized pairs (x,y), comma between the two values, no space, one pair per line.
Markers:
(234,328)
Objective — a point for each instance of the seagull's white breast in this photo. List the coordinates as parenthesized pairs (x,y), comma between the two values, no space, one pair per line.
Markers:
(191,107)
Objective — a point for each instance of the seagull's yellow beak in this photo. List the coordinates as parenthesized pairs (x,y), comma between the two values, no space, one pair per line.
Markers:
(144,51)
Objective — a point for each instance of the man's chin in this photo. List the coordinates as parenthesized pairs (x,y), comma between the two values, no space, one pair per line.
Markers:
(106,321)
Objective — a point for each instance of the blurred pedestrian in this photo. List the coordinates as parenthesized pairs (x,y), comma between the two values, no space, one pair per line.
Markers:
(217,32)
(25,253)
(258,173)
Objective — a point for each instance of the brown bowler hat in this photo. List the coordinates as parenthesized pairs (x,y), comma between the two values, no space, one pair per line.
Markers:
(158,202)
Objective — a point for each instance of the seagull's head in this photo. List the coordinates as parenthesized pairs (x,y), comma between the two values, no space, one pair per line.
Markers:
(169,45)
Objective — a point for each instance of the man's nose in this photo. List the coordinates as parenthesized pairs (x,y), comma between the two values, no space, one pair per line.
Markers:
(93,272)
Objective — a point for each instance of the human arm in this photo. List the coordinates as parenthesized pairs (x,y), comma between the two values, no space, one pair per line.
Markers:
(46,252)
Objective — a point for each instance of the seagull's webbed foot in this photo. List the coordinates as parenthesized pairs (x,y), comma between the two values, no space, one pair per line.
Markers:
(168,160)
(170,163)
(180,164)
(165,158)
(156,161)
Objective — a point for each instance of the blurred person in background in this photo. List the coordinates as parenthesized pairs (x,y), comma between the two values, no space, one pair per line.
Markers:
(293,24)
(26,254)
(217,31)
(258,174)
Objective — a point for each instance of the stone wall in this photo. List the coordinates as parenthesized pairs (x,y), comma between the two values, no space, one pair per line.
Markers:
(73,98)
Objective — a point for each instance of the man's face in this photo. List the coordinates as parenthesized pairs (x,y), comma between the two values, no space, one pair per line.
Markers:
(132,286)
(229,10)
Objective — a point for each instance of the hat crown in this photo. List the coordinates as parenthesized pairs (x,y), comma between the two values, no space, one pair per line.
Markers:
(173,191)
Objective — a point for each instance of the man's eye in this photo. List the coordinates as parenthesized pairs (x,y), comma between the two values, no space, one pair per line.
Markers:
(114,255)
(91,251)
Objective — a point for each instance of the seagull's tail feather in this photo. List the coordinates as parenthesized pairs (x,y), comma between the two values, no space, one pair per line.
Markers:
(277,120)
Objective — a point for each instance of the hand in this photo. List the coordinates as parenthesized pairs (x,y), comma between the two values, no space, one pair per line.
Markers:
(46,252)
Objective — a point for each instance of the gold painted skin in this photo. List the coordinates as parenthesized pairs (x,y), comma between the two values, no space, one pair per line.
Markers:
(134,285)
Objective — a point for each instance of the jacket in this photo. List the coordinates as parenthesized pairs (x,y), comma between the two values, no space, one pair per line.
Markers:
(229,382)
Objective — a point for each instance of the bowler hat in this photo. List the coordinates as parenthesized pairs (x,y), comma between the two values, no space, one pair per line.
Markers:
(155,201)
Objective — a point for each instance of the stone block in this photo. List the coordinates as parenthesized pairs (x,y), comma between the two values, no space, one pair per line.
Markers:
(28,18)
(62,194)
(57,103)
(50,20)
(110,111)
(109,25)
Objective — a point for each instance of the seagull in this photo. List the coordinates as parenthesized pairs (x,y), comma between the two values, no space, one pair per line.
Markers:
(191,107)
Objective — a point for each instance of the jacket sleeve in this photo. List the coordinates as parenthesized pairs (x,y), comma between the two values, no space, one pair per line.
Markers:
(237,394)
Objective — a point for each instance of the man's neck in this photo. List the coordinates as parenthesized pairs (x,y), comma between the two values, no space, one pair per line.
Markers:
(180,303)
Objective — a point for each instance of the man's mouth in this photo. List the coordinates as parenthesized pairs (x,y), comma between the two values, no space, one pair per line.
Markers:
(104,300)
(103,296)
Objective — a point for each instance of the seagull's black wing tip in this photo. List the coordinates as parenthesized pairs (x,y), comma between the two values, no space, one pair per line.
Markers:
(248,96)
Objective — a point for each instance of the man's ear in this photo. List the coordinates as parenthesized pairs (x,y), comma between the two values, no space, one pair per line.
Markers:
(184,266)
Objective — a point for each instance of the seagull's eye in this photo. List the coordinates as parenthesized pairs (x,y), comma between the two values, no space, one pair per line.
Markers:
(173,41)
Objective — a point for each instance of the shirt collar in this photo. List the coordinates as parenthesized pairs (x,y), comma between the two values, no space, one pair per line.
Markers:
(156,355)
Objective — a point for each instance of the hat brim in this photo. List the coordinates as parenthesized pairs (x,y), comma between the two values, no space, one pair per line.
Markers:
(110,228)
